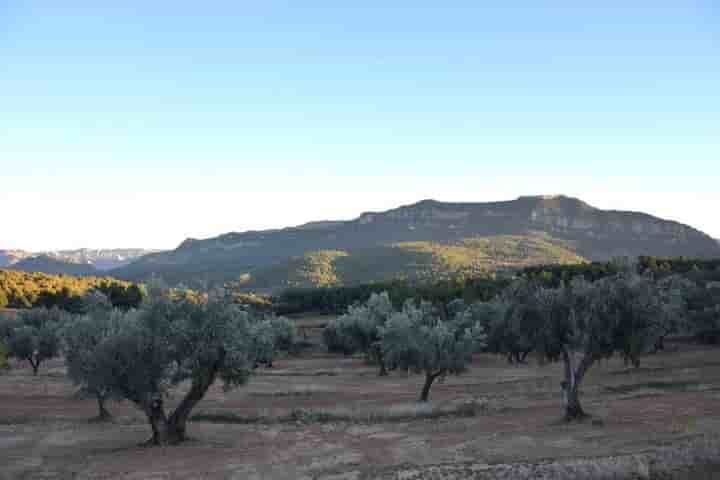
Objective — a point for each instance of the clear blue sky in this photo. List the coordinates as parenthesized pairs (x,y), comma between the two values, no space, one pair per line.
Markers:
(143,123)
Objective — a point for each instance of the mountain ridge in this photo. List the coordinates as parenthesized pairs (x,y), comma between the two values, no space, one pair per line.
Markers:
(583,230)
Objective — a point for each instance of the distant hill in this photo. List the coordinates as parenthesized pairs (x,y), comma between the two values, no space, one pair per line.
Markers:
(11,257)
(428,238)
(100,259)
(51,265)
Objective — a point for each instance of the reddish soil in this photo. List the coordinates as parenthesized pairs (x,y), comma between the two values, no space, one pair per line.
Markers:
(45,430)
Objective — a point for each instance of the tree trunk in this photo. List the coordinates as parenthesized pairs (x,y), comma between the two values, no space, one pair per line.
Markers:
(573,409)
(429,379)
(377,352)
(161,434)
(35,364)
(571,385)
(178,420)
(659,344)
(103,413)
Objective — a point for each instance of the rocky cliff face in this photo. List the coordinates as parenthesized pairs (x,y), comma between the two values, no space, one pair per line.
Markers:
(593,233)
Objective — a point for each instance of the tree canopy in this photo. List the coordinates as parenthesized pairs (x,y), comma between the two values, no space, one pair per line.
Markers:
(169,341)
(416,339)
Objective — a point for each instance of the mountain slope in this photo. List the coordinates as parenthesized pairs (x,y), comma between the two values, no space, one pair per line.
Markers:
(410,260)
(581,229)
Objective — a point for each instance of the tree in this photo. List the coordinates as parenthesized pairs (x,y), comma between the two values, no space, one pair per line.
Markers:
(36,338)
(8,324)
(4,354)
(492,318)
(270,335)
(358,330)
(4,301)
(34,345)
(170,341)
(89,366)
(418,340)
(285,333)
(674,292)
(594,321)
(262,342)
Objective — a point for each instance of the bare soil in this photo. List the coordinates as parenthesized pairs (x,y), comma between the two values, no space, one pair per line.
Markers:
(46,430)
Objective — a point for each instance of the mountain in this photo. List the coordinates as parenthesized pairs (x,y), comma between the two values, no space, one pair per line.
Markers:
(425,238)
(101,259)
(11,257)
(52,265)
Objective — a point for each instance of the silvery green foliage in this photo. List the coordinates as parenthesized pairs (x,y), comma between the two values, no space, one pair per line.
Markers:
(95,301)
(38,317)
(416,339)
(674,292)
(285,333)
(584,322)
(270,335)
(34,336)
(358,329)
(491,316)
(170,341)
(88,364)
(262,341)
(8,324)
(617,314)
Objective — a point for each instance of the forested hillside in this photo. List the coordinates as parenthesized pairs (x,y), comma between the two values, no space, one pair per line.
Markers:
(24,290)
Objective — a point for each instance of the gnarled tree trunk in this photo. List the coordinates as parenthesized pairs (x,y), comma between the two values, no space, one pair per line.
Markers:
(172,430)
(103,413)
(161,432)
(429,379)
(571,385)
(35,364)
(376,351)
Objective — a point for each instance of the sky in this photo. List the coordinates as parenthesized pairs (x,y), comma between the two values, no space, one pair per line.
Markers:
(144,123)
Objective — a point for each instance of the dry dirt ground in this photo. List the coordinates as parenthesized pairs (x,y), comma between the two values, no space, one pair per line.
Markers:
(45,431)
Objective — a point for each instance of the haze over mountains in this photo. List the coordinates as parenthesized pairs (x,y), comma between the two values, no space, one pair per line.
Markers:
(425,239)
(82,261)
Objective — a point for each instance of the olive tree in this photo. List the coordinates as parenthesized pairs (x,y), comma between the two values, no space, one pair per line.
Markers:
(584,322)
(171,341)
(359,329)
(8,324)
(285,333)
(268,336)
(491,316)
(416,339)
(89,365)
(34,336)
(674,292)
